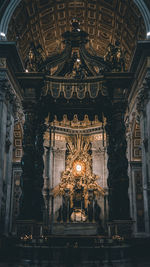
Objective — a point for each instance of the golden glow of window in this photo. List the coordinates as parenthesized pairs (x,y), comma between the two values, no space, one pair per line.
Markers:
(78,167)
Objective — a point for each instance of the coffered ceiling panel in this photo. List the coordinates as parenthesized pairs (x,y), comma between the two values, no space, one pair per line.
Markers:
(44,21)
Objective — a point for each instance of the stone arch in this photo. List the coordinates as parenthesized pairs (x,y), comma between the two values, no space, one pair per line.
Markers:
(144,12)
(14,3)
(7,16)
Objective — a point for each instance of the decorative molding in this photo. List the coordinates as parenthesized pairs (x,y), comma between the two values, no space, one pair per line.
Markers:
(56,89)
(8,131)
(18,111)
(8,94)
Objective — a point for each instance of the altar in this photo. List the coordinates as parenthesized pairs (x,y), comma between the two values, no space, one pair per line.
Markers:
(74,205)
(76,229)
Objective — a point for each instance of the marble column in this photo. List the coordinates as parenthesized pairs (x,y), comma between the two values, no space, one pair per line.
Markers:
(3,121)
(8,99)
(14,112)
(118,181)
(8,166)
(143,108)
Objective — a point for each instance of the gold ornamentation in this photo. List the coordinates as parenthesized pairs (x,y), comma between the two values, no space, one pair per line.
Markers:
(79,168)
(76,123)
(78,179)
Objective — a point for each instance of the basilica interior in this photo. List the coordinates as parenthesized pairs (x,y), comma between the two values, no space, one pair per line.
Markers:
(75,133)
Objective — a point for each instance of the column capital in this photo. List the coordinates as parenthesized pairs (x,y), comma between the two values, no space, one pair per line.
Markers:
(143,94)
(8,94)
(141,98)
(15,104)
(3,85)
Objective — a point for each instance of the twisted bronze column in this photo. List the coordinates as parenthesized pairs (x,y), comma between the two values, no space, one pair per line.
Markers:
(118,180)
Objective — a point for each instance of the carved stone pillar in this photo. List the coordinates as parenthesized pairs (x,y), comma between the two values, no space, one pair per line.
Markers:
(143,108)
(8,107)
(118,181)
(7,101)
(8,166)
(3,121)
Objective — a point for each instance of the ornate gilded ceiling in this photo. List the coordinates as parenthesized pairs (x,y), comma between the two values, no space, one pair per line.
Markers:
(44,21)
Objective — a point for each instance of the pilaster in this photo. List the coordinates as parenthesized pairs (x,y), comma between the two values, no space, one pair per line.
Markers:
(8,106)
(3,121)
(8,166)
(143,108)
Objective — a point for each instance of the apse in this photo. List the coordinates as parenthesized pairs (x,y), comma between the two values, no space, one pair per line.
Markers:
(75,172)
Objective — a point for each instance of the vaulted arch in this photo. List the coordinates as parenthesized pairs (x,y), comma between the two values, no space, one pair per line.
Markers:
(43,23)
(5,19)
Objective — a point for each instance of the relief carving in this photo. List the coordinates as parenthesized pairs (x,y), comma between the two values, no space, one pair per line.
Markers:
(2,63)
(8,129)
(3,85)
(142,96)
